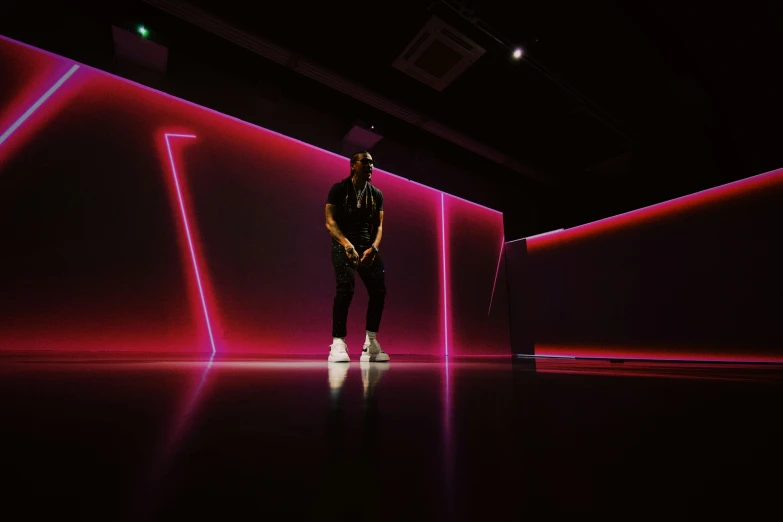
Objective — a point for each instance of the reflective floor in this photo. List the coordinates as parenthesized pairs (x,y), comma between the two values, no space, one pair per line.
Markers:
(142,437)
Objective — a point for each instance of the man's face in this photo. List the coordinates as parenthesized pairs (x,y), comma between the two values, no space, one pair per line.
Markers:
(362,168)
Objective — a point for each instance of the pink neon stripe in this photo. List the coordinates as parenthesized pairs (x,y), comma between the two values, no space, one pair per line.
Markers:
(35,106)
(669,204)
(666,207)
(666,358)
(537,235)
(443,257)
(649,353)
(497,271)
(187,233)
(231,117)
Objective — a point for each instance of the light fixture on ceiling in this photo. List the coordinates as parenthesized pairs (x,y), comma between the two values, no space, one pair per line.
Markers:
(361,136)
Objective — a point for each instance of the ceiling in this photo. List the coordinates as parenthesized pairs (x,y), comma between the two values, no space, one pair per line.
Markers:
(522,109)
(600,82)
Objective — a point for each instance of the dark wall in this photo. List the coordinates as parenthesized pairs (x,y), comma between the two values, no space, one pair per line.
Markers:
(694,278)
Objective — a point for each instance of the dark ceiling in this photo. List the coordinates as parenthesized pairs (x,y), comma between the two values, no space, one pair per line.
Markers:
(497,101)
(619,104)
(528,112)
(602,81)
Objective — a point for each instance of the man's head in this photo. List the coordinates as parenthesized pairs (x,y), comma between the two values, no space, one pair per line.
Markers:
(361,166)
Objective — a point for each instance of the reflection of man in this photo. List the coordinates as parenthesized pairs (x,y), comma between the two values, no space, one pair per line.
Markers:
(354,218)
(342,464)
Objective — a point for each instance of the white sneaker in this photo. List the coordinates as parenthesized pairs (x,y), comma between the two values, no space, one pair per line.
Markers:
(339,352)
(372,351)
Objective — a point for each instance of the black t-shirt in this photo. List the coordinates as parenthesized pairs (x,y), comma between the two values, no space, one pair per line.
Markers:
(357,223)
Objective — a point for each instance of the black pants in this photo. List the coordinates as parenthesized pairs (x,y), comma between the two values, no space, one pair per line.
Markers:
(374,279)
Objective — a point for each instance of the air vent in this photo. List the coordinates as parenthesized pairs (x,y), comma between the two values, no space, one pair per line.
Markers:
(438,55)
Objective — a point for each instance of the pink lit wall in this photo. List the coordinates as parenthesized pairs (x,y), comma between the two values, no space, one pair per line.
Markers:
(695,278)
(133,220)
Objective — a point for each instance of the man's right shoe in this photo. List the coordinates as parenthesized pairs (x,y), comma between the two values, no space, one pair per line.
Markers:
(339,352)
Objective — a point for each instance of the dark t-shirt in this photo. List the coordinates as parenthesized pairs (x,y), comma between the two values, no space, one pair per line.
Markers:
(356,223)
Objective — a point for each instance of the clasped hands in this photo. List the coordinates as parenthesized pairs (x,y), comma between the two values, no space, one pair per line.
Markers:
(354,260)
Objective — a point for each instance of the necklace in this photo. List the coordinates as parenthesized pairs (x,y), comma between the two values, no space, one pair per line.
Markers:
(359,195)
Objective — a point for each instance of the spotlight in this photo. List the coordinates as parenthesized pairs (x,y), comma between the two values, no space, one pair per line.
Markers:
(517,54)
(143,31)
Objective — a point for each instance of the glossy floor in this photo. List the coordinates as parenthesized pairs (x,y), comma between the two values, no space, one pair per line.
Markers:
(141,437)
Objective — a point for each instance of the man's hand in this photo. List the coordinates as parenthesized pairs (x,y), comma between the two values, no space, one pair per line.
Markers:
(367,257)
(351,255)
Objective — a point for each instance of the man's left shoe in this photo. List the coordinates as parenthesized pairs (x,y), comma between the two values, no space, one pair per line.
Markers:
(372,352)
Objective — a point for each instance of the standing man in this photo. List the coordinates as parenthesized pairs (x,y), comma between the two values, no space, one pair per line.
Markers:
(354,218)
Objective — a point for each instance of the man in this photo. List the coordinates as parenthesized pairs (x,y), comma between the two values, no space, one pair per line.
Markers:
(354,219)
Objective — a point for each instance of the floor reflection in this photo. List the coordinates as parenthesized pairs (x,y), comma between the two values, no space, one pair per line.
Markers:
(154,481)
(350,482)
(337,374)
(448,442)
(420,438)
(371,376)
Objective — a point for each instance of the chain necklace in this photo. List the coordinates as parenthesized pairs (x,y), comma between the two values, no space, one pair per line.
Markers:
(359,195)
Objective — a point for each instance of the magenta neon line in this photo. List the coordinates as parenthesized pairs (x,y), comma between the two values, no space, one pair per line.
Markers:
(497,271)
(666,358)
(445,292)
(187,233)
(536,235)
(681,199)
(34,107)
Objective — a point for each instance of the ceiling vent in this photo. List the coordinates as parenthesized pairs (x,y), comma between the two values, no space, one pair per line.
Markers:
(438,55)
